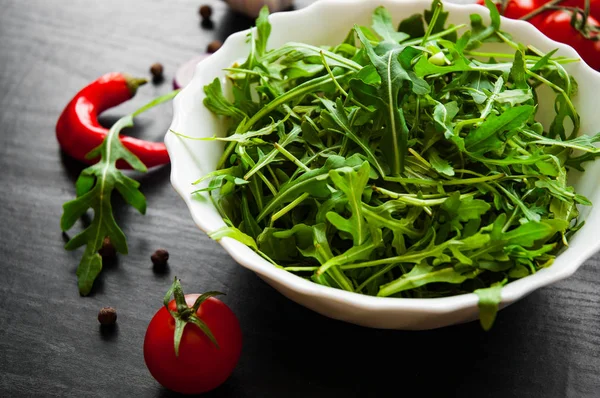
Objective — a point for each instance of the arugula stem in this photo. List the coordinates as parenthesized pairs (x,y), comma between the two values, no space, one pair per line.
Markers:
(434,36)
(291,157)
(457,181)
(276,216)
(414,201)
(419,157)
(353,66)
(431,25)
(376,275)
(560,60)
(300,269)
(459,126)
(229,148)
(337,84)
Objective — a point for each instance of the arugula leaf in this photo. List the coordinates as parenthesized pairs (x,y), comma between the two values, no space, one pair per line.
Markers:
(263,28)
(392,77)
(511,119)
(489,299)
(216,102)
(352,183)
(94,188)
(527,234)
(423,274)
(233,233)
(382,25)
(440,165)
(314,182)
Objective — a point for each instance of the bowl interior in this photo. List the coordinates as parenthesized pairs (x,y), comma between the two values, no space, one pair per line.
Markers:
(193,159)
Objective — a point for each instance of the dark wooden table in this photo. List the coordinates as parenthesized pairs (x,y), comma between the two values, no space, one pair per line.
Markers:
(547,345)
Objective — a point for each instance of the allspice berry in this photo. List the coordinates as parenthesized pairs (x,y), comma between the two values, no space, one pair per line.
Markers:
(213,46)
(157,72)
(160,258)
(107,316)
(107,249)
(205,11)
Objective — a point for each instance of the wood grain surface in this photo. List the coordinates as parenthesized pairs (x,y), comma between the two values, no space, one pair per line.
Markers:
(547,345)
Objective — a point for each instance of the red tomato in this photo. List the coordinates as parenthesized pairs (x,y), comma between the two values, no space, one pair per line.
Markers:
(200,366)
(516,9)
(557,26)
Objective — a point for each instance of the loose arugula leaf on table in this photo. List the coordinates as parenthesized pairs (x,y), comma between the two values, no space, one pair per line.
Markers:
(407,163)
(94,189)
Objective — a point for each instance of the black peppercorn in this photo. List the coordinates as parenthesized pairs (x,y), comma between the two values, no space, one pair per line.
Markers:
(205,11)
(107,316)
(157,72)
(213,46)
(107,249)
(160,258)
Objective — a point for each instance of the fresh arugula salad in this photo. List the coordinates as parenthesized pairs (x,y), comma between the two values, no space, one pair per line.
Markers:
(404,161)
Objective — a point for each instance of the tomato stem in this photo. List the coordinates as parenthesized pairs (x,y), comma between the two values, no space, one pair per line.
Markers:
(541,9)
(185,314)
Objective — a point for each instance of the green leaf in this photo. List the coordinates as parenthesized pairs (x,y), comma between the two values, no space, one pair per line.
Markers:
(514,97)
(94,191)
(442,117)
(511,119)
(583,143)
(382,25)
(394,141)
(440,165)
(383,217)
(472,209)
(413,26)
(440,22)
(218,104)
(218,181)
(542,62)
(314,182)
(527,234)
(263,28)
(517,72)
(355,253)
(489,299)
(338,115)
(352,183)
(277,247)
(266,160)
(422,274)
(233,233)
(480,83)
(88,270)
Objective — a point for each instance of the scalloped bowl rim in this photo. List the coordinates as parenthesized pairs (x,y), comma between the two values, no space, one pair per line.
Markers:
(247,258)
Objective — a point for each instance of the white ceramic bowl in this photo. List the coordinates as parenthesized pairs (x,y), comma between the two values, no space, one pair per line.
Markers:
(326,22)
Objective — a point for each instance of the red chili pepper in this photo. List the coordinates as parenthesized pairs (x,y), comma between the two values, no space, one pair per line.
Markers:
(78,130)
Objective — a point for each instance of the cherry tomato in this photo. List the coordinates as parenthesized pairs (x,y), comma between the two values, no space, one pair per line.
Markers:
(516,9)
(557,26)
(200,366)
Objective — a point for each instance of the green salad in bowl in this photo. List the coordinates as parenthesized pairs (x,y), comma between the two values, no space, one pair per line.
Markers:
(408,160)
